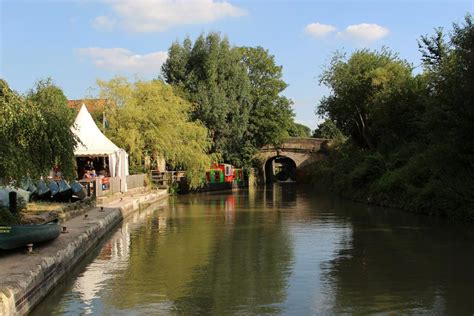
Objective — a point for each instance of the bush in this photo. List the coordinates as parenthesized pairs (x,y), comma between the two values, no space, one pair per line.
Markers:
(9,218)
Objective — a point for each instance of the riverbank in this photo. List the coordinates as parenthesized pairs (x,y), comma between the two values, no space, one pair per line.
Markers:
(374,179)
(26,279)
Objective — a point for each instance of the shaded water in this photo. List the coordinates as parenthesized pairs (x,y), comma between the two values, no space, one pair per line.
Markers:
(281,250)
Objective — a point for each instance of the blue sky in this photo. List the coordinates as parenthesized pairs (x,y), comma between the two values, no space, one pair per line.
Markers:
(77,42)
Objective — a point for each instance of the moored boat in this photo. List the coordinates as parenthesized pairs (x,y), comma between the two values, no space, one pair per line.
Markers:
(219,177)
(65,191)
(16,236)
(78,190)
(43,191)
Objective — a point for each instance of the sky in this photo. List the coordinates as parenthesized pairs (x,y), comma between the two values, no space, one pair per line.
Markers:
(77,42)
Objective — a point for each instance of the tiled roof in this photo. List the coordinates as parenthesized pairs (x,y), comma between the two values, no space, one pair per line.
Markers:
(92,105)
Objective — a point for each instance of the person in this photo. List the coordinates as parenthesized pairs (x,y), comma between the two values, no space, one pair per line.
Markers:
(93,173)
(87,174)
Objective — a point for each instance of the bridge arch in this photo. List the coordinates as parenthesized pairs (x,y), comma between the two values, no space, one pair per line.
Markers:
(279,168)
(301,151)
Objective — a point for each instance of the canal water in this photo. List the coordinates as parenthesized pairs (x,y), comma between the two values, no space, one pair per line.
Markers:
(279,250)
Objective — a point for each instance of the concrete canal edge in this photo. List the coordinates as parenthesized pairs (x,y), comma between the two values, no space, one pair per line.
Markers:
(26,279)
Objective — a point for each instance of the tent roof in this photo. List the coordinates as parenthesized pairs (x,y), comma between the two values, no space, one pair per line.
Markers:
(94,143)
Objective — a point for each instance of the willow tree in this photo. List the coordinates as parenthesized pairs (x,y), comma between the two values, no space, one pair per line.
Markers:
(150,120)
(56,142)
(34,133)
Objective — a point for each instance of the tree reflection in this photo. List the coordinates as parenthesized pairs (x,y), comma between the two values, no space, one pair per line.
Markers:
(215,255)
(398,262)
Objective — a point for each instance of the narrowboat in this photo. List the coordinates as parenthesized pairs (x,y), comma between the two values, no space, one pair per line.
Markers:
(219,177)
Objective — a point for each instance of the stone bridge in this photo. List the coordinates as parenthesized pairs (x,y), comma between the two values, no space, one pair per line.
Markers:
(292,155)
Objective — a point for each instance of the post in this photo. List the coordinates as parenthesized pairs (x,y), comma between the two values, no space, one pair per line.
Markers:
(13,202)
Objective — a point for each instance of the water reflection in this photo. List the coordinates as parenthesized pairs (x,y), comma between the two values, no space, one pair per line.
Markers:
(403,263)
(280,250)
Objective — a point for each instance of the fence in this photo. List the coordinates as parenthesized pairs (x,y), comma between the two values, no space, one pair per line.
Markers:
(99,188)
(166,178)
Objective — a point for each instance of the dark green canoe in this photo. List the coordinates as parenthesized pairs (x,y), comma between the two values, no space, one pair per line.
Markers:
(20,235)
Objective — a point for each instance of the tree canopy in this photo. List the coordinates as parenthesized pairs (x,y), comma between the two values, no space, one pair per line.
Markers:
(211,77)
(235,92)
(299,130)
(329,130)
(149,119)
(271,116)
(35,132)
(362,86)
(410,142)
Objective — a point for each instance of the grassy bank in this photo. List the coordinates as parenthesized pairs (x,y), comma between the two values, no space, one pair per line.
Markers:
(408,179)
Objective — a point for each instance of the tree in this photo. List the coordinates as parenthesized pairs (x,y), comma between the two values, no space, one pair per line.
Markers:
(210,75)
(299,130)
(35,132)
(236,93)
(56,138)
(418,128)
(271,117)
(149,119)
(329,130)
(449,119)
(360,86)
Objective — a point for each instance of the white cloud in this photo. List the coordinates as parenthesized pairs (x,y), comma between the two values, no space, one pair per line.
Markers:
(319,30)
(103,23)
(364,32)
(159,15)
(123,60)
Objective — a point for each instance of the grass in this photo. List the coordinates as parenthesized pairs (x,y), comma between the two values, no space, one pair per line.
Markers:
(41,206)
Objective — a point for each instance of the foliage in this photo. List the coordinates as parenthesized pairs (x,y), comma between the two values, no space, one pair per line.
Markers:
(151,120)
(9,218)
(416,149)
(57,141)
(271,116)
(299,130)
(329,130)
(34,132)
(211,77)
(235,92)
(361,87)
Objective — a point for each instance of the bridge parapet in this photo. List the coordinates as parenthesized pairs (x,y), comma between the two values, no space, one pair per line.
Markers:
(298,144)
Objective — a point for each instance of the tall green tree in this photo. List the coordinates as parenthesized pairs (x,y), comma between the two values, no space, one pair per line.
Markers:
(271,116)
(150,119)
(449,118)
(361,88)
(210,75)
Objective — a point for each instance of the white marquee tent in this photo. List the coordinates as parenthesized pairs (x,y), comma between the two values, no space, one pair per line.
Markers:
(96,144)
